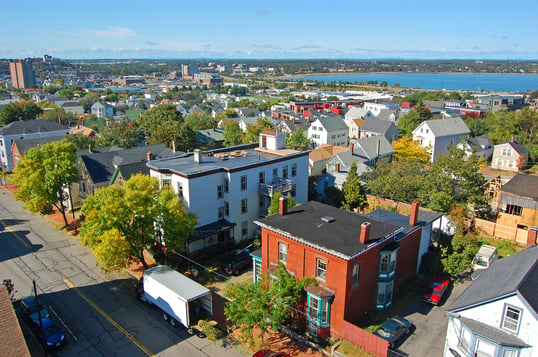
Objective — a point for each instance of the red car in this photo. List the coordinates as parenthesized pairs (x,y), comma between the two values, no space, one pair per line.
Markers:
(434,292)
(269,353)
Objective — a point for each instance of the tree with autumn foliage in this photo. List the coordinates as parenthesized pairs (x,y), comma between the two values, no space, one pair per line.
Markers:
(43,176)
(408,149)
(121,222)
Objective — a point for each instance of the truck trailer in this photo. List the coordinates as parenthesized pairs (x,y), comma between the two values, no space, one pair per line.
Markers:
(181,299)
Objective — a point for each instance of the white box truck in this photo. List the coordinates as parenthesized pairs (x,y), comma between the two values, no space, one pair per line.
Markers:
(181,299)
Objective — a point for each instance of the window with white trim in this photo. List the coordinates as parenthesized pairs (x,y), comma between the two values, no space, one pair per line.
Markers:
(509,352)
(511,318)
(180,190)
(220,192)
(243,183)
(465,339)
(321,269)
(318,309)
(226,209)
(226,185)
(282,252)
(387,264)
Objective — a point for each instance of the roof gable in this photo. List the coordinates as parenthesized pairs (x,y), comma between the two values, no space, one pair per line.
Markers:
(445,127)
(514,274)
(31,126)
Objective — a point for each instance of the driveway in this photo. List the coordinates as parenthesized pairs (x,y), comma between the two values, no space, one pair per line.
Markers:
(430,321)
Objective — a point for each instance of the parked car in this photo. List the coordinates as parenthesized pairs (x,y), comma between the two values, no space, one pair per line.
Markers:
(393,329)
(237,263)
(51,334)
(269,353)
(33,309)
(435,291)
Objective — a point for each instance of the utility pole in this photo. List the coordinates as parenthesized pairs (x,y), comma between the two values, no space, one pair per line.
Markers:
(38,313)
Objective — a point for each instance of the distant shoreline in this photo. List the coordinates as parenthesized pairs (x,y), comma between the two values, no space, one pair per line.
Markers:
(369,73)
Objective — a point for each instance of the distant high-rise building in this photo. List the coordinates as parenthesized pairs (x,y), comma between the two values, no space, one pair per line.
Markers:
(22,74)
(188,71)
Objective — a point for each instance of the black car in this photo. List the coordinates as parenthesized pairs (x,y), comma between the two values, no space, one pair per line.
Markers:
(237,263)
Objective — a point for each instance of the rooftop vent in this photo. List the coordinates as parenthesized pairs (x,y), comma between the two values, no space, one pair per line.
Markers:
(328,219)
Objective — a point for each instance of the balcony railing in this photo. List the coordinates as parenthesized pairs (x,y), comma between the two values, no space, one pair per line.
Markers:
(280,185)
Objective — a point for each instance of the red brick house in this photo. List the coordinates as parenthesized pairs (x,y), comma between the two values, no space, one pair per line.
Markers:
(357,261)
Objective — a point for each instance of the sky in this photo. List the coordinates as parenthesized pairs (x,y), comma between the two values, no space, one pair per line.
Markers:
(256,29)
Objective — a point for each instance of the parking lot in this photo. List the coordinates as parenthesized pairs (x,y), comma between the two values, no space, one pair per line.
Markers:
(427,338)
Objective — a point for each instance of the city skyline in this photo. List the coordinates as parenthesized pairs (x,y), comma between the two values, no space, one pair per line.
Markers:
(169,29)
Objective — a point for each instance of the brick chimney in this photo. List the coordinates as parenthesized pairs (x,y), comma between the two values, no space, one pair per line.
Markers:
(365,232)
(337,167)
(173,146)
(283,205)
(90,148)
(413,218)
(149,156)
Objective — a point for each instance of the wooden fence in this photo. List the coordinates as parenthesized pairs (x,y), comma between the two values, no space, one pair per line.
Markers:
(514,234)
(365,340)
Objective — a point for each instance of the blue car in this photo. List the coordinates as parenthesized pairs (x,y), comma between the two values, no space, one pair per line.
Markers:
(393,329)
(33,309)
(52,334)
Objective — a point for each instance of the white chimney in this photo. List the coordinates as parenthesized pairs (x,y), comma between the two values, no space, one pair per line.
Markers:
(197,156)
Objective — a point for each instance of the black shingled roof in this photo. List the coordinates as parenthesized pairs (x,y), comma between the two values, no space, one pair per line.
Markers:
(341,236)
(523,185)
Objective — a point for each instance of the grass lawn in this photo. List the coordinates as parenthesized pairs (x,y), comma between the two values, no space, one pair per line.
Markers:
(350,350)
(504,247)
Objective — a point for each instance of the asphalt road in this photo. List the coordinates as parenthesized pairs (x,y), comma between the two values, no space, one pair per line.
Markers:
(98,313)
(430,323)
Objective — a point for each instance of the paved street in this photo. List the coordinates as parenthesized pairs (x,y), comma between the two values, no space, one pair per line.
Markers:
(98,312)
(428,337)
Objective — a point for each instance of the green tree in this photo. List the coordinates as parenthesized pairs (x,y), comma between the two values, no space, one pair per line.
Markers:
(152,118)
(297,140)
(200,121)
(385,180)
(22,110)
(123,135)
(458,255)
(57,112)
(43,176)
(252,133)
(124,221)
(275,203)
(264,305)
(232,133)
(413,119)
(172,131)
(453,178)
(354,196)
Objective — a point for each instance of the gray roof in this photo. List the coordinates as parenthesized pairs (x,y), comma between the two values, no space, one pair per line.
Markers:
(447,127)
(31,126)
(367,147)
(97,105)
(101,166)
(333,123)
(339,237)
(480,142)
(515,274)
(356,112)
(520,148)
(384,114)
(492,333)
(377,126)
(522,185)
(424,218)
(130,169)
(238,157)
(71,103)
(25,144)
(210,135)
(183,286)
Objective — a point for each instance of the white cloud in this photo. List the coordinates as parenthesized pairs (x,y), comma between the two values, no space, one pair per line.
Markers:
(113,32)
